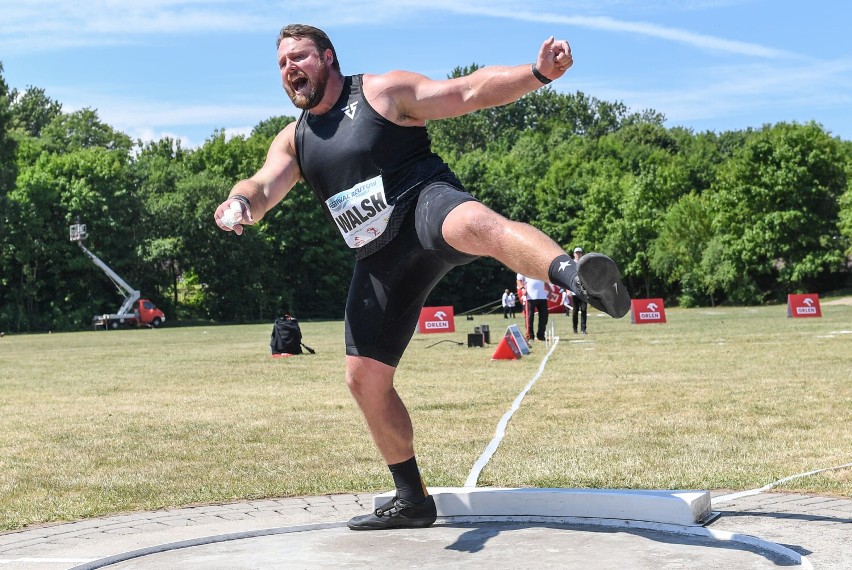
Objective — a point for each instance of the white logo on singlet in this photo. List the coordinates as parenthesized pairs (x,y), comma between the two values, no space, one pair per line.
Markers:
(349,110)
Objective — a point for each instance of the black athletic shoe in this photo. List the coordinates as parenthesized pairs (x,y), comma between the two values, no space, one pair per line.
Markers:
(602,286)
(397,513)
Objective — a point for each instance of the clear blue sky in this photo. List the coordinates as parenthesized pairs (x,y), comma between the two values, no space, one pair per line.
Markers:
(182,68)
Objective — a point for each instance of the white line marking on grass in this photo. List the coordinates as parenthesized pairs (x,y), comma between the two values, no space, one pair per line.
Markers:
(501,426)
(741,494)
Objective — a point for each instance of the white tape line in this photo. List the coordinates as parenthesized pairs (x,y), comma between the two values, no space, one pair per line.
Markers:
(741,494)
(501,426)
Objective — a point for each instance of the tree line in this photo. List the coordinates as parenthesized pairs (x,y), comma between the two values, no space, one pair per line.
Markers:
(738,217)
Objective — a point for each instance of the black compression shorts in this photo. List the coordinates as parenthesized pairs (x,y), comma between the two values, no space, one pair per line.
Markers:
(390,286)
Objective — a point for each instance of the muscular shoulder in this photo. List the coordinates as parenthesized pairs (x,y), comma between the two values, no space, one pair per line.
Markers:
(394,95)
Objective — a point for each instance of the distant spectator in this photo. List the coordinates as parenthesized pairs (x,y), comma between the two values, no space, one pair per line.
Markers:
(505,301)
(566,302)
(536,295)
(581,307)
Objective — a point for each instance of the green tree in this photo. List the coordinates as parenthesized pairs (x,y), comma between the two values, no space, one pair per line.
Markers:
(637,179)
(82,129)
(270,127)
(34,110)
(677,253)
(777,206)
(845,215)
(56,286)
(9,215)
(570,168)
(232,158)
(8,145)
(158,168)
(52,284)
(312,263)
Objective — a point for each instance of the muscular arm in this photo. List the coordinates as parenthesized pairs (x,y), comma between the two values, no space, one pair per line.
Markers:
(411,99)
(270,184)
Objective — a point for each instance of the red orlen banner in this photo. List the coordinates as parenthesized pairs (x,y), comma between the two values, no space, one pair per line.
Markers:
(647,311)
(436,320)
(805,305)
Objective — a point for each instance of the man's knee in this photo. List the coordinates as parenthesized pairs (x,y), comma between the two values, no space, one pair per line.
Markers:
(474,228)
(367,378)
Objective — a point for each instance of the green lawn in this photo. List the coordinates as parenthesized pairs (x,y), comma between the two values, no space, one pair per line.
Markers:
(728,398)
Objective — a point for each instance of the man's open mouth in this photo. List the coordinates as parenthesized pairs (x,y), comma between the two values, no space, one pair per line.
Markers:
(298,83)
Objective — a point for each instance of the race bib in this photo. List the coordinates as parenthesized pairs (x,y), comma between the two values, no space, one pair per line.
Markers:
(361,213)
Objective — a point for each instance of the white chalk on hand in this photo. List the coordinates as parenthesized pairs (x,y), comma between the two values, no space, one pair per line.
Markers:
(229,218)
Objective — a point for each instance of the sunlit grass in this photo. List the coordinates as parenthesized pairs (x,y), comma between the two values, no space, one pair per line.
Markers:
(733,398)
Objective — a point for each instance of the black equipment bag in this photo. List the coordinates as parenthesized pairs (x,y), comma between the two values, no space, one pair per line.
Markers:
(286,336)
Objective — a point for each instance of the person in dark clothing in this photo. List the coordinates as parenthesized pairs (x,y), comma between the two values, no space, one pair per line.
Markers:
(361,145)
(581,307)
(536,294)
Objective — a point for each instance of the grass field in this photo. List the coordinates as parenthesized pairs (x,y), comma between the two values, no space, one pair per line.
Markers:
(730,398)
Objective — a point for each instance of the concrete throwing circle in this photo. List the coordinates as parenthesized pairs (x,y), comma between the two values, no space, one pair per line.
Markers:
(461,544)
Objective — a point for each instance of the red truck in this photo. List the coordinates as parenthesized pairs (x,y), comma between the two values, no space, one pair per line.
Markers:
(143,313)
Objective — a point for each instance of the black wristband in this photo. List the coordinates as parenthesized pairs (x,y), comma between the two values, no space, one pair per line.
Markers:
(539,76)
(241,198)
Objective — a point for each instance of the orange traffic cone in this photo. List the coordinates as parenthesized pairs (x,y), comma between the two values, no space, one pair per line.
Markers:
(506,350)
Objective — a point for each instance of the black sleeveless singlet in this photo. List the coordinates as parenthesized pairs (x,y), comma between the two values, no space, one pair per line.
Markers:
(341,154)
(352,144)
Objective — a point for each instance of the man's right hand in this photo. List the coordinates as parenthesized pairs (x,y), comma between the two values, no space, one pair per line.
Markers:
(231,215)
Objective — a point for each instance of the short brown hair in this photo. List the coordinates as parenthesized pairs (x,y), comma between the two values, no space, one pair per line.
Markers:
(316,35)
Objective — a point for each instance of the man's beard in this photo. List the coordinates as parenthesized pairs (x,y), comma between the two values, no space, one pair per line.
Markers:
(316,93)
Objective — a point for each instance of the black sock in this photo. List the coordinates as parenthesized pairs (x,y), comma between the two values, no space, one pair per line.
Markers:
(409,485)
(563,272)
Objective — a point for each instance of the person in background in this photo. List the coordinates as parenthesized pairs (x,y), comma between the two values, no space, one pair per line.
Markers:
(505,301)
(566,302)
(581,307)
(513,301)
(536,293)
